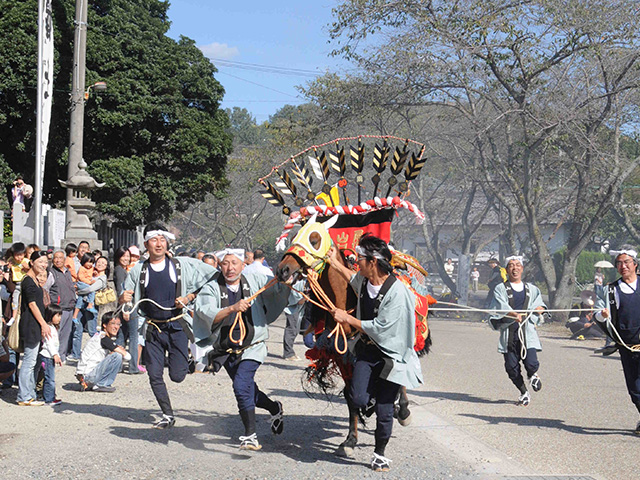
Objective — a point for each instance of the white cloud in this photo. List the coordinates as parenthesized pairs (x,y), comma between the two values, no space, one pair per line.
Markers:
(219,50)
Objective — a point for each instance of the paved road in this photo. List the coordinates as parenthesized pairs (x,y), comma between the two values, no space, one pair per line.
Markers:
(465,424)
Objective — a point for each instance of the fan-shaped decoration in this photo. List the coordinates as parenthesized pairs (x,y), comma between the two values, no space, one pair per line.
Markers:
(380,158)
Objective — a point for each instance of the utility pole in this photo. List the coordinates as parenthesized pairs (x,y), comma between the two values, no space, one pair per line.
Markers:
(77,98)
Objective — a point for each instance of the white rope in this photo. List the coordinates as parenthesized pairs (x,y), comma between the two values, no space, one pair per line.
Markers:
(135,306)
(462,308)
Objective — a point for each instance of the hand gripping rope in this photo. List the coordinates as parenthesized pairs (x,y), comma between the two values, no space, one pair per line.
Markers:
(238,320)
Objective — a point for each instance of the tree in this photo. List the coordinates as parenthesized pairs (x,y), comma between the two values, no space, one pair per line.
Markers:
(546,89)
(157,137)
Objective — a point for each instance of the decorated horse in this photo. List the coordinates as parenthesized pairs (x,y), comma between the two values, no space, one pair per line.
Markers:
(308,257)
(327,221)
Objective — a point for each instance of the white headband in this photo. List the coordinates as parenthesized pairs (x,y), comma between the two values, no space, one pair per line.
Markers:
(238,252)
(519,258)
(155,233)
(632,253)
(367,253)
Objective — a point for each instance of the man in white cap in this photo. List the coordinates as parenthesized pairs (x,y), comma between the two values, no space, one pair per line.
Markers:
(165,286)
(519,307)
(237,331)
(620,314)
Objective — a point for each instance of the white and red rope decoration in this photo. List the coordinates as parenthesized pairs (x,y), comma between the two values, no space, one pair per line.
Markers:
(365,207)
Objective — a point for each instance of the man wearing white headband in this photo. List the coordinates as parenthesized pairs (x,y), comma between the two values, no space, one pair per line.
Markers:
(169,284)
(621,308)
(237,331)
(517,327)
(384,356)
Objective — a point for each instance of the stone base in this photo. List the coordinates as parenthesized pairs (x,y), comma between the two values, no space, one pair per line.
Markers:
(94,243)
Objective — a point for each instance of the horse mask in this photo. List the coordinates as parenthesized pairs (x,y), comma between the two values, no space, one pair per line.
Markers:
(312,243)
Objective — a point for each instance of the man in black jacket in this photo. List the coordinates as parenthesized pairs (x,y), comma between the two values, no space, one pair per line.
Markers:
(63,293)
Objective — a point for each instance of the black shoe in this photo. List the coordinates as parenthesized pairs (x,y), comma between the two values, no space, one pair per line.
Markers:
(370,408)
(102,389)
(167,421)
(277,420)
(607,350)
(535,382)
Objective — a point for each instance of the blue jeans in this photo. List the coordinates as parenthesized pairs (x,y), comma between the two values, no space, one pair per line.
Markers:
(14,358)
(26,377)
(83,300)
(105,372)
(90,319)
(49,387)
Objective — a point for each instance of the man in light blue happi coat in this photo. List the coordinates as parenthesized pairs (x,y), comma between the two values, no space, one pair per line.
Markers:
(519,341)
(238,344)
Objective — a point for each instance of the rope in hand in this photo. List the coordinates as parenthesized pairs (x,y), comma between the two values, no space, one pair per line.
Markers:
(338,330)
(135,306)
(238,320)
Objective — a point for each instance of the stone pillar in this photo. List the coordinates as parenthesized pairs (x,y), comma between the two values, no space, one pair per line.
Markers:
(79,227)
(464,272)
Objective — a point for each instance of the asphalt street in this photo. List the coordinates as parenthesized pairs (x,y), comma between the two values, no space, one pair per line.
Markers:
(465,422)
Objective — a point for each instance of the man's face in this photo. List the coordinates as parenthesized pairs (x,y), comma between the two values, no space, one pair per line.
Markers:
(625,265)
(514,271)
(231,267)
(157,246)
(248,258)
(82,249)
(112,327)
(58,260)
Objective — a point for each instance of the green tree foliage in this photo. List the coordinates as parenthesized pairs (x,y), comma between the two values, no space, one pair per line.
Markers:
(157,137)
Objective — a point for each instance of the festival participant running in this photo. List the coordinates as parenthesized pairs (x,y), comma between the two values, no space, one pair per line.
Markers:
(623,309)
(514,294)
(385,358)
(172,284)
(216,309)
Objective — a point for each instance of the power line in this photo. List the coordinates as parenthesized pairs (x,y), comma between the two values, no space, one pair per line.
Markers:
(295,72)
(260,85)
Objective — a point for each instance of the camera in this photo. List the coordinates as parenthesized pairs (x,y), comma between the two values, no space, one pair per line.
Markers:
(6,268)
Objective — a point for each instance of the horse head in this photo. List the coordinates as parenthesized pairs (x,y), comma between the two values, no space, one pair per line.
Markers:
(308,250)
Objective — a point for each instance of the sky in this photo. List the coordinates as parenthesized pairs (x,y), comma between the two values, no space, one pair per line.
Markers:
(262,49)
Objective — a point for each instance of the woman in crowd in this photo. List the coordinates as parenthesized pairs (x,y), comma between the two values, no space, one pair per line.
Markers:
(121,260)
(33,328)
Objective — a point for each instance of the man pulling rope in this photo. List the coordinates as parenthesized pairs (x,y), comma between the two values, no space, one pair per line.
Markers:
(519,341)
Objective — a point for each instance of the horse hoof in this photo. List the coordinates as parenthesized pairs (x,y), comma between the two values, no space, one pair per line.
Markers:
(405,422)
(346,452)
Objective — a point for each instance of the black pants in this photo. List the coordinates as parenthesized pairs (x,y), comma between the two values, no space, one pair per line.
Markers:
(366,384)
(631,369)
(512,366)
(175,342)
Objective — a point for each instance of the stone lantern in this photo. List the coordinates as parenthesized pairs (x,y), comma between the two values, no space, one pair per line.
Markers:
(79,225)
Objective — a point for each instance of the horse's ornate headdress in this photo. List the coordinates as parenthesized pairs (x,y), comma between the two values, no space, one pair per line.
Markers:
(336,185)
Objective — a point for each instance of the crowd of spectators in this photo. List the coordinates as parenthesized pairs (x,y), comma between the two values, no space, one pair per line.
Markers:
(53,298)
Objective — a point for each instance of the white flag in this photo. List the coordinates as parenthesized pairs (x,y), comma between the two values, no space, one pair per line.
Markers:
(45,80)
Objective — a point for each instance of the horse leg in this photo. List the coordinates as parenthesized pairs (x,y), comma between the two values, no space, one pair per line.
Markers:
(404,414)
(347,448)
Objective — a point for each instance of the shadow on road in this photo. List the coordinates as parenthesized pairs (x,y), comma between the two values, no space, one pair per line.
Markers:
(458,397)
(549,423)
(306,439)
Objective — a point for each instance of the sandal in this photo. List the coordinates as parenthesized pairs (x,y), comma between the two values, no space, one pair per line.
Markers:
(277,420)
